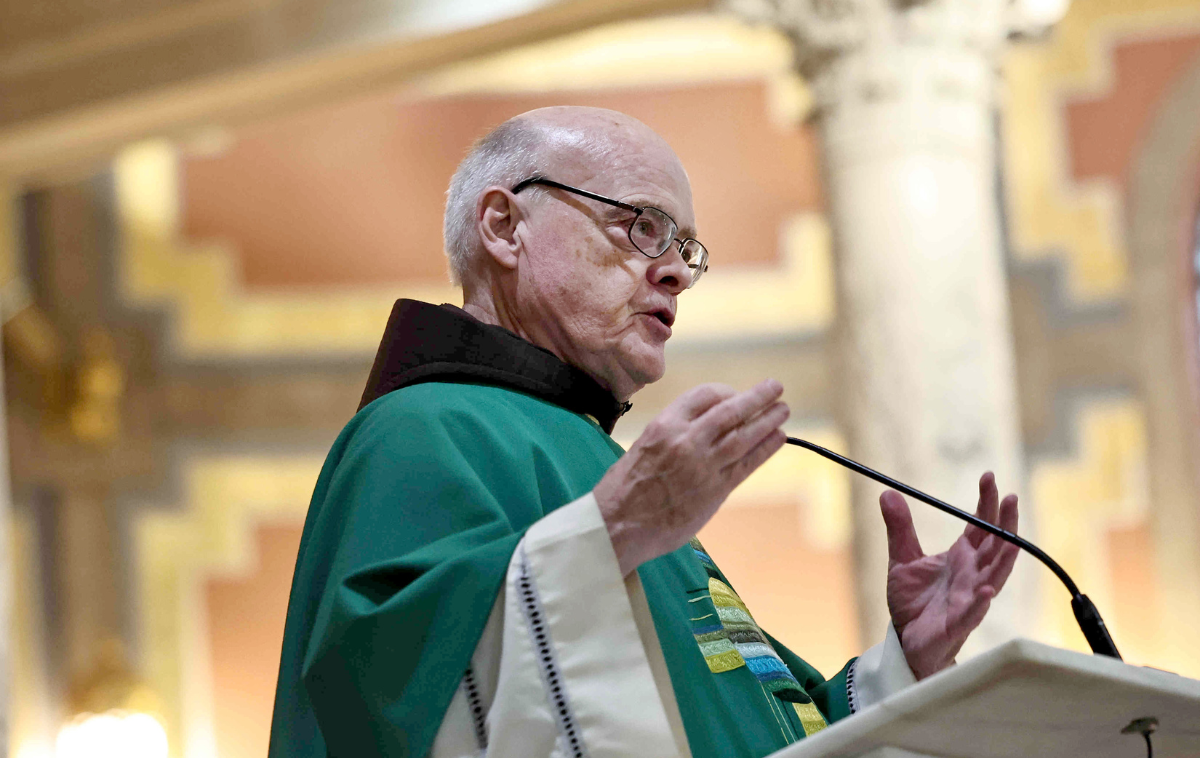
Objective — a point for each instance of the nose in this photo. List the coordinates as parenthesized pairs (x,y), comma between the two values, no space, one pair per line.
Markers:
(670,271)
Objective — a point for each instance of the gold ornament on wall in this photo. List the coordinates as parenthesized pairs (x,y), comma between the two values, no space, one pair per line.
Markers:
(94,415)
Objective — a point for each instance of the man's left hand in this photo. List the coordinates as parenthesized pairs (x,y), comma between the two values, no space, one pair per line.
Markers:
(936,601)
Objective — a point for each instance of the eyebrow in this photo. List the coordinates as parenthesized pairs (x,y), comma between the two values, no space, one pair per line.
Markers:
(684,232)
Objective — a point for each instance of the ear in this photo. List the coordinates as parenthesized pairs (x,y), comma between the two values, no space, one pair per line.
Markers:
(498,216)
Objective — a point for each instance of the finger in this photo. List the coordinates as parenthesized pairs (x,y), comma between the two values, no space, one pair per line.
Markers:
(960,628)
(988,508)
(737,471)
(1008,514)
(697,400)
(998,572)
(990,549)
(903,544)
(1001,565)
(741,439)
(720,419)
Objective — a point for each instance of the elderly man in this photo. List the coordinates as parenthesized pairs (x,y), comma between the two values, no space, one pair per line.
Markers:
(484,570)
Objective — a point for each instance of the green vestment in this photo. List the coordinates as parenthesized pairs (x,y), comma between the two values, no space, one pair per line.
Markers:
(417,511)
(415,517)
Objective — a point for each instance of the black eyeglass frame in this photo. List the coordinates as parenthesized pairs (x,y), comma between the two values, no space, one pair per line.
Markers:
(636,209)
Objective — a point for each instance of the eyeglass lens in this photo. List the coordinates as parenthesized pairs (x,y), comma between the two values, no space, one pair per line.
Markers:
(652,232)
(696,258)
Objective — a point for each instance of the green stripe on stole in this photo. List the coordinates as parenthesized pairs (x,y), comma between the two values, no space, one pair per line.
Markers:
(727,634)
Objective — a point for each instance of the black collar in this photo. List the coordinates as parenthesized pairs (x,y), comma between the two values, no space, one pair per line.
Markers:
(428,343)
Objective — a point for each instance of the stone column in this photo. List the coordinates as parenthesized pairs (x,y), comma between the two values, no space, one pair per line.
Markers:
(905,101)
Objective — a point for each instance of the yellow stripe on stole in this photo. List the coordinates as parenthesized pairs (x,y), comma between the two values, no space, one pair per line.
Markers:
(727,661)
(723,595)
(810,718)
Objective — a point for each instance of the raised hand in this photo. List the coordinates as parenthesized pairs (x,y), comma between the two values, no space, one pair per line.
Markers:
(936,601)
(687,461)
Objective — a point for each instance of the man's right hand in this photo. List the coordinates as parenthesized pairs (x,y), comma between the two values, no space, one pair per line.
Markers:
(687,461)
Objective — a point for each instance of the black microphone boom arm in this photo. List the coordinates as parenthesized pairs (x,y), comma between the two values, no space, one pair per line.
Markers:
(1086,615)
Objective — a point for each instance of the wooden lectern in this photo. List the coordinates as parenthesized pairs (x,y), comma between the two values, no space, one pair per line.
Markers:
(1022,699)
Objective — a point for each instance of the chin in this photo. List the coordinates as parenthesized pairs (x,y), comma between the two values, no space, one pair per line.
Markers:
(647,369)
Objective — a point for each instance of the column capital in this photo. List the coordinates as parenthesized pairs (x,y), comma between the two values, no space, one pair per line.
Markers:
(893,40)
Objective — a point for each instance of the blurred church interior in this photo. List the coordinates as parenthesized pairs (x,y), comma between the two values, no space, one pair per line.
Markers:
(964,235)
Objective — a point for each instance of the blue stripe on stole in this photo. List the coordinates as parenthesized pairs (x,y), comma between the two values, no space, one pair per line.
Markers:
(767,667)
(701,554)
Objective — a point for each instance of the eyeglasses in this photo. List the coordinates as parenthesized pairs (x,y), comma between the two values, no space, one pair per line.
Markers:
(651,231)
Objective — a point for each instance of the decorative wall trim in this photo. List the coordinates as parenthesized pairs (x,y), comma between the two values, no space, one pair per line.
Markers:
(213,317)
(1050,215)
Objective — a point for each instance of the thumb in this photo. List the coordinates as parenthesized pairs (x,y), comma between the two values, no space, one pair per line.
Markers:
(903,544)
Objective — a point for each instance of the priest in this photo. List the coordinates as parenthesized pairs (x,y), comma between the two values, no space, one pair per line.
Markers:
(484,570)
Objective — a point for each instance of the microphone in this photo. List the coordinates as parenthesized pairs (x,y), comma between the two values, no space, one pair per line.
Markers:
(1086,615)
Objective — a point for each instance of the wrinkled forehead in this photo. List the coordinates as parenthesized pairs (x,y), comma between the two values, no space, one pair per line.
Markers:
(625,161)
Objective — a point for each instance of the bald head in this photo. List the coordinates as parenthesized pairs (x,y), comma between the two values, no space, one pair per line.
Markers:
(558,266)
(561,142)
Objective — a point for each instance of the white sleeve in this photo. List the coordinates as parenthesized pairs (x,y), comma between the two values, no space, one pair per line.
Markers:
(569,663)
(878,673)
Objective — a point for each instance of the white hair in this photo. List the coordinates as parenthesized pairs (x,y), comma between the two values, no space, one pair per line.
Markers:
(510,153)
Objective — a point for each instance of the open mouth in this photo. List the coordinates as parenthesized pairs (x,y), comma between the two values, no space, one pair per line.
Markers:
(663,316)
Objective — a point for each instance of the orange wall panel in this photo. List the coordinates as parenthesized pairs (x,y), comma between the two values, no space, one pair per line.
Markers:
(1135,600)
(353,194)
(245,636)
(1104,133)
